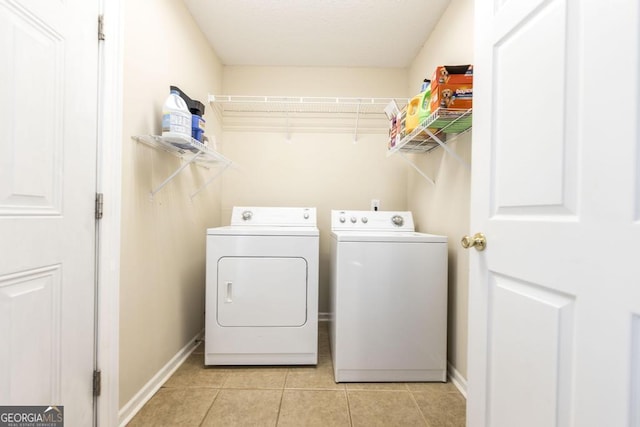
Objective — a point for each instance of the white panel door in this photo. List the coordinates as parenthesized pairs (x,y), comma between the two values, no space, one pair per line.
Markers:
(48,80)
(262,291)
(554,299)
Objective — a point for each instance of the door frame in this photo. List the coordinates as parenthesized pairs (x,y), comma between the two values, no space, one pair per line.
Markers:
(109,178)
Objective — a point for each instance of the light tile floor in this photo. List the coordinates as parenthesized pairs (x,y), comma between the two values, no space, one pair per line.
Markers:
(295,396)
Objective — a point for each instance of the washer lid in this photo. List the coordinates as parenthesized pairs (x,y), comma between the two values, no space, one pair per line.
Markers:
(243,230)
(387,236)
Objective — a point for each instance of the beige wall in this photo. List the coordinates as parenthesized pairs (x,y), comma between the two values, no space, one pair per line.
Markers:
(163,239)
(444,208)
(322,169)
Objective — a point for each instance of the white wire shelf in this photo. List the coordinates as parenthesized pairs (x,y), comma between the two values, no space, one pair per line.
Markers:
(302,113)
(440,128)
(191,150)
(431,133)
(184,148)
(300,104)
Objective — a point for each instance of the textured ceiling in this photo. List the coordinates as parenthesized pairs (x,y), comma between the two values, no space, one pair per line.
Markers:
(319,33)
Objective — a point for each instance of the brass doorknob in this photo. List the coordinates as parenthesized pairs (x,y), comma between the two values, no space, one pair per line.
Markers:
(478,241)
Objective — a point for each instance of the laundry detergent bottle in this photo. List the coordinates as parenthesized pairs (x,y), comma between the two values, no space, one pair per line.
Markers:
(418,108)
(424,107)
(176,118)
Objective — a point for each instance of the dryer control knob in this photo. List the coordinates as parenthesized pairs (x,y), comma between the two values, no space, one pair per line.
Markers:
(354,219)
(364,219)
(342,219)
(397,220)
(246,215)
(306,215)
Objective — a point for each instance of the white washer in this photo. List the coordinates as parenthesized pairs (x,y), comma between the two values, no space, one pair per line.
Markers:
(262,288)
(388,299)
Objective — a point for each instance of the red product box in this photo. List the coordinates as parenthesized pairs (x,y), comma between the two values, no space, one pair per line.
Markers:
(452,74)
(454,96)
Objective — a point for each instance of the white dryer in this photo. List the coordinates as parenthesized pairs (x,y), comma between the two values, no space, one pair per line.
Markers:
(388,299)
(262,288)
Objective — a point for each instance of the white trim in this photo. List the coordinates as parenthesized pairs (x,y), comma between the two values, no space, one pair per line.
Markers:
(153,385)
(458,380)
(109,183)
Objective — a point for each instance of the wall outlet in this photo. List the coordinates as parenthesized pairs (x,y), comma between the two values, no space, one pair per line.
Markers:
(375,204)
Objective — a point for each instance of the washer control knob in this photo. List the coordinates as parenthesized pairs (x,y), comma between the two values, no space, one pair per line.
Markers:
(306,215)
(364,219)
(246,215)
(354,219)
(397,220)
(342,219)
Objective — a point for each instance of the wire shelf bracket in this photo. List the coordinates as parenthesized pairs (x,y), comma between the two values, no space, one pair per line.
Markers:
(438,130)
(191,151)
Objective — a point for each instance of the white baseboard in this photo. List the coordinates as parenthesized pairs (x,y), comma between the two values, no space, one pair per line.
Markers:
(128,411)
(458,380)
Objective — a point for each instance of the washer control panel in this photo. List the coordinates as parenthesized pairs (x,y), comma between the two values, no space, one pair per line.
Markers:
(372,220)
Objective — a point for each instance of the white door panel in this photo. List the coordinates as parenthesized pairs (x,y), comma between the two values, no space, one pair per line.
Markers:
(30,176)
(529,138)
(31,352)
(536,346)
(48,80)
(554,300)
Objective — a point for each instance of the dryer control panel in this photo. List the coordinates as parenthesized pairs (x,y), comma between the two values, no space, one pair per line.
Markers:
(273,216)
(372,220)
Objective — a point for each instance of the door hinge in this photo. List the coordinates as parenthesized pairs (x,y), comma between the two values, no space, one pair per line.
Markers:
(99,205)
(97,382)
(101,27)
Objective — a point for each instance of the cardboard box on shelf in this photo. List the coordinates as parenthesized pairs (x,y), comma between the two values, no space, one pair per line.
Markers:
(454,96)
(452,74)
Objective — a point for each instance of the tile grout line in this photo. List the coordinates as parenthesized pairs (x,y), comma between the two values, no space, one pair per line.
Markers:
(284,383)
(346,393)
(210,407)
(224,381)
(279,407)
(415,402)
